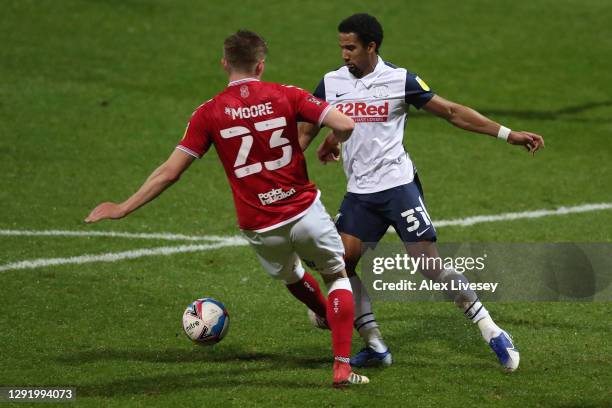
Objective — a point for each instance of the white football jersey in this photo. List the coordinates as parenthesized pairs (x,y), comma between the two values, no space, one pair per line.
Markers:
(374,158)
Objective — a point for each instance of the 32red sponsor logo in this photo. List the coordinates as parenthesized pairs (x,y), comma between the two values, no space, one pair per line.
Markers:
(363,112)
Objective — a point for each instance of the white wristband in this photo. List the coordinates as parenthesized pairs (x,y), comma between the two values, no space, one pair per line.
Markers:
(503,133)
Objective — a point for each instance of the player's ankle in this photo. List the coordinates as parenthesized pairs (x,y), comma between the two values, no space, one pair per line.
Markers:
(488,328)
(342,369)
(373,339)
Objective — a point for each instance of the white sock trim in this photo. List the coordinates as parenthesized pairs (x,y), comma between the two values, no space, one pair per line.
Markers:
(476,311)
(340,283)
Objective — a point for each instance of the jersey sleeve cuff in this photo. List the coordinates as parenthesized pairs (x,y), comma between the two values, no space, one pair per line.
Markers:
(323,114)
(423,100)
(188,151)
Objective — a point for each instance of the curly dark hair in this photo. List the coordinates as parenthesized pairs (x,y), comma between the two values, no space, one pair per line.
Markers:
(366,27)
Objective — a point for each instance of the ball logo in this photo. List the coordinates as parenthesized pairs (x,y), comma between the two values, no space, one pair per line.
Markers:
(192,310)
(204,332)
(364,112)
(192,326)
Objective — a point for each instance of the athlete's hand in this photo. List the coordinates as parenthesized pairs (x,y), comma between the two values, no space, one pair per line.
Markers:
(106,211)
(329,150)
(531,141)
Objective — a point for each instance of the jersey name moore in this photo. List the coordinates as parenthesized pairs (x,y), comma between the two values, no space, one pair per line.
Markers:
(250,111)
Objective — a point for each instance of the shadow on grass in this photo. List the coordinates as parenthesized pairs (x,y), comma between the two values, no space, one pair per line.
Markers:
(225,355)
(457,343)
(230,367)
(204,380)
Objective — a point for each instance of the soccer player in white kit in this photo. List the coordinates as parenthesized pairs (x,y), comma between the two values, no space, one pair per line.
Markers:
(383,187)
(253,126)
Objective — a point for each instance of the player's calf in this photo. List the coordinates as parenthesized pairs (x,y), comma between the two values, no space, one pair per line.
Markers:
(307,291)
(340,312)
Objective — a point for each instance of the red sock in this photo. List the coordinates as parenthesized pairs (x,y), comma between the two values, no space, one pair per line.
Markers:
(340,313)
(307,291)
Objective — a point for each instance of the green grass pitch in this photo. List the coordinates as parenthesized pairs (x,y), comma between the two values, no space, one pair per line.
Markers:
(95,94)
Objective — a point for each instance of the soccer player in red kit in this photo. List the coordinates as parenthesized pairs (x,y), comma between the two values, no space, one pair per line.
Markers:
(253,126)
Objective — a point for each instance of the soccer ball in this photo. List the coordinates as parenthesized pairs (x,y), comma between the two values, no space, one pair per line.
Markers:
(206,321)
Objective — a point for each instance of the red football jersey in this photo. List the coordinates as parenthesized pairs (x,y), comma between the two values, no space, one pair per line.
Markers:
(253,126)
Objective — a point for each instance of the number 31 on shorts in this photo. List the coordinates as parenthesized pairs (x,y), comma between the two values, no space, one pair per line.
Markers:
(411,219)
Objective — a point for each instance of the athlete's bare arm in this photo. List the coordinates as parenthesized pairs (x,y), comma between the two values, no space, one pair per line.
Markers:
(341,125)
(467,118)
(162,178)
(306,134)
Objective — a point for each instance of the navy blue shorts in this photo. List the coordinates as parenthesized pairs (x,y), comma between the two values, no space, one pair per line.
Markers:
(369,216)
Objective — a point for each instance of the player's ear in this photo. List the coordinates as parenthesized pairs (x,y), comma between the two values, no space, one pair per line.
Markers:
(225,65)
(259,68)
(371,47)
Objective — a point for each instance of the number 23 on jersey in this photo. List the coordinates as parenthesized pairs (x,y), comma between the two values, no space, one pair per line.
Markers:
(277,125)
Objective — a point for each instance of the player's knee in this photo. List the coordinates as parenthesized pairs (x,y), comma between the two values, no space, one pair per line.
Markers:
(351,271)
(351,262)
(330,278)
(350,256)
(290,274)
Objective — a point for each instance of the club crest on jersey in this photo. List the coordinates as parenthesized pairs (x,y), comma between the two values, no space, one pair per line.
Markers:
(365,112)
(380,91)
(244,91)
(250,111)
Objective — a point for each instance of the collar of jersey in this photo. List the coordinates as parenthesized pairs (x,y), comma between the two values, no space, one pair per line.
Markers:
(369,79)
(242,81)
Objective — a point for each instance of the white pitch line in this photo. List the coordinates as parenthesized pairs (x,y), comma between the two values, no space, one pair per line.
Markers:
(112,234)
(236,240)
(118,256)
(462,222)
(478,219)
